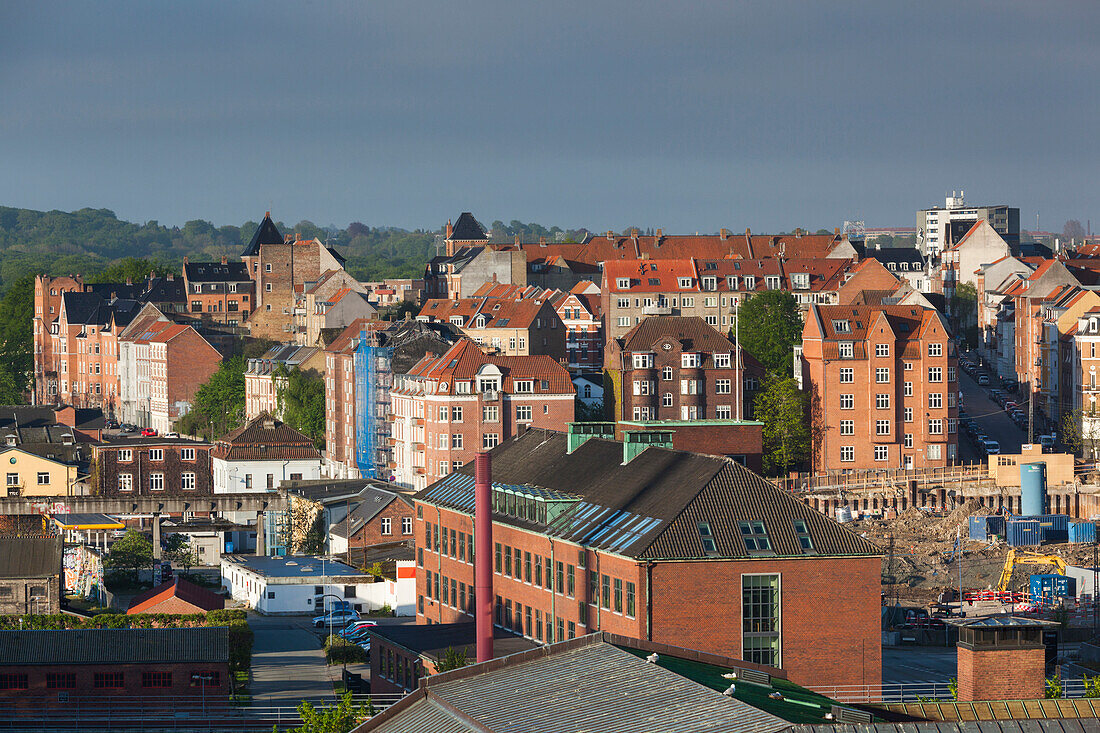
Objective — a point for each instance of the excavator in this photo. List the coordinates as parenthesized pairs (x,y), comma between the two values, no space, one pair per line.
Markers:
(1027,558)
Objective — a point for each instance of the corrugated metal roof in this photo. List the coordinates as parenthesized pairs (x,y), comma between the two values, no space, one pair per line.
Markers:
(114,646)
(596,687)
(424,716)
(969,726)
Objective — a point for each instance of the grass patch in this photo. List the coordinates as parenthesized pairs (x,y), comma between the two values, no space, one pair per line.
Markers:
(84,606)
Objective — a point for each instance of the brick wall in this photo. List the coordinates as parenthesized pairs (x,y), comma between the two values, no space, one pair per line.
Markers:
(371,533)
(132,681)
(191,361)
(16,595)
(829,614)
(108,468)
(1001,674)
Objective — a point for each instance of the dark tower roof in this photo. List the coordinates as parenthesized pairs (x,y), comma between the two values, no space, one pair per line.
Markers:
(467,229)
(266,233)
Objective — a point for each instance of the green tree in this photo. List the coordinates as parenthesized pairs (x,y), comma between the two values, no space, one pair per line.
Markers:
(177,549)
(301,401)
(339,718)
(964,309)
(16,357)
(452,659)
(131,553)
(770,328)
(781,406)
(219,403)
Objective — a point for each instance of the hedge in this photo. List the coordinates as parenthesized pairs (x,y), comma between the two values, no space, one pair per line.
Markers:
(240,633)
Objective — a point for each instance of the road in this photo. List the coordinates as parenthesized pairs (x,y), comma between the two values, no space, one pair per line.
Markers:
(992,418)
(910,665)
(288,664)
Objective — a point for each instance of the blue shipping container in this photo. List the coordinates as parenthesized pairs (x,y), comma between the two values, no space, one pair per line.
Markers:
(1046,589)
(1082,532)
(1023,532)
(1054,527)
(984,525)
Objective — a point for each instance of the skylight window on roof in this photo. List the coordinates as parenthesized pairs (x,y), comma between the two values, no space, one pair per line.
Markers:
(707,537)
(755,537)
(804,540)
(654,281)
(711,266)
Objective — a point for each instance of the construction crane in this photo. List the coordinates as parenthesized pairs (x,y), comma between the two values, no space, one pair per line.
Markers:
(1027,558)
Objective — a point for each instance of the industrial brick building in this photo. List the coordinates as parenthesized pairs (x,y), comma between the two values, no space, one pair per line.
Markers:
(114,663)
(641,540)
(30,575)
(883,387)
(447,408)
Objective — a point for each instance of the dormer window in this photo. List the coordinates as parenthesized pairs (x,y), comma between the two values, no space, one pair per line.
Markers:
(771,282)
(643,361)
(846,349)
(722,361)
(623,283)
(731,281)
(710,283)
(689,361)
(842,326)
(801,280)
(524,386)
(684,282)
(456,320)
(891,266)
(750,282)
(481,321)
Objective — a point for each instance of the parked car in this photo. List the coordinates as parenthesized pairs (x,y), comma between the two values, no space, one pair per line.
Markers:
(992,447)
(128,427)
(1047,441)
(148,433)
(172,434)
(336,618)
(109,424)
(983,380)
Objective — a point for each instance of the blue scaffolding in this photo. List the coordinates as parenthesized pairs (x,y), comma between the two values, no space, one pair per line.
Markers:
(373,380)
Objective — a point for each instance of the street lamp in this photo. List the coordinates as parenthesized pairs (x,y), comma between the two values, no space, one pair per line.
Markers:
(203,679)
(344,676)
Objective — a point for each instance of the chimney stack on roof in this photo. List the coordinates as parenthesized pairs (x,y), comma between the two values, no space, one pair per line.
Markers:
(723,234)
(224,260)
(449,230)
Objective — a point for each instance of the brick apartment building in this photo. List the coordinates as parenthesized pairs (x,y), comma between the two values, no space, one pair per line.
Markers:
(322,305)
(160,366)
(512,321)
(581,312)
(447,408)
(710,289)
(152,467)
(1082,364)
(222,292)
(395,348)
(641,540)
(281,267)
(883,387)
(146,663)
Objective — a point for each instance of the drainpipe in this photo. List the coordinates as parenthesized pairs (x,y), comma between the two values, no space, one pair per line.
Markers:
(599,597)
(439,561)
(554,590)
(649,600)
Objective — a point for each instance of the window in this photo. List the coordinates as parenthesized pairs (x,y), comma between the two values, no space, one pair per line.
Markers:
(624,302)
(907,389)
(14,681)
(60,680)
(456,440)
(755,537)
(706,536)
(842,326)
(125,456)
(950,374)
(523,412)
(847,375)
(187,481)
(107,680)
(935,349)
(846,350)
(935,400)
(666,399)
(406,525)
(211,678)
(847,401)
(270,481)
(490,440)
(630,599)
(691,386)
(721,361)
(882,375)
(156,454)
(643,361)
(624,320)
(907,366)
(722,386)
(267,267)
(524,386)
(723,412)
(456,411)
(760,642)
(803,533)
(847,427)
(689,361)
(935,374)
(622,282)
(908,414)
(934,452)
(490,413)
(882,349)
(538,570)
(570,581)
(387,525)
(666,374)
(684,282)
(126,482)
(13,479)
(605,592)
(686,302)
(43,478)
(643,387)
(907,440)
(156,482)
(618,607)
(882,401)
(882,452)
(187,454)
(156,679)
(935,426)
(847,453)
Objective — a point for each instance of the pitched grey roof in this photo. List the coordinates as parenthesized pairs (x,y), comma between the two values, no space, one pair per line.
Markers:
(591,686)
(1084,725)
(114,646)
(216,272)
(432,640)
(370,503)
(650,507)
(467,229)
(29,557)
(266,233)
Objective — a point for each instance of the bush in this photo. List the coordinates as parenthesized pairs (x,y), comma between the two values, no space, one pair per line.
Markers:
(383,611)
(342,651)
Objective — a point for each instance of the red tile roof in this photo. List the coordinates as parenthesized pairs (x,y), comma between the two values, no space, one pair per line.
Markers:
(200,598)
(265,438)
(464,360)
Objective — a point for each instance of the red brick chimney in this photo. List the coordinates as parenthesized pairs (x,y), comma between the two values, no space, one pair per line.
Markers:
(483,561)
(450,230)
(224,260)
(1001,658)
(723,234)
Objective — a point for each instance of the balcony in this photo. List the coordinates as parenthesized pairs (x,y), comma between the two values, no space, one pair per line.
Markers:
(657,310)
(490,395)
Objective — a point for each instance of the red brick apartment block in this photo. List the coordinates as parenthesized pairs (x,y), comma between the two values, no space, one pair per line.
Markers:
(152,467)
(447,408)
(883,387)
(222,292)
(659,544)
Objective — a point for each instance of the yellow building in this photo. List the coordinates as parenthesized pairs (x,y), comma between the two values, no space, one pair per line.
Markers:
(28,474)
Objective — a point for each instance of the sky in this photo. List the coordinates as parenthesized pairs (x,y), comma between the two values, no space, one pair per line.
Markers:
(686,116)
